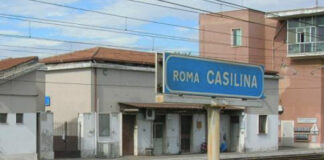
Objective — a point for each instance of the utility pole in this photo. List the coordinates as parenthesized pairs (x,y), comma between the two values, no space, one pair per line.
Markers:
(316,3)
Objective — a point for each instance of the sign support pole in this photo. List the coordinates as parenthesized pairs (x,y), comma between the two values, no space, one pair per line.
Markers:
(213,150)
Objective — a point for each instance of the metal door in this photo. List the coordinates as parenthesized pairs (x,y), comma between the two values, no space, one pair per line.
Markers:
(66,140)
(158,138)
(128,134)
(287,133)
(186,126)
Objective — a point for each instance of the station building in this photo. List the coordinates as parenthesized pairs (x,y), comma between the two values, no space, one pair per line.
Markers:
(288,42)
(103,101)
(25,130)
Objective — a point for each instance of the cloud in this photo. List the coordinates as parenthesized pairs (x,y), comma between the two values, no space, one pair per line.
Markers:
(120,8)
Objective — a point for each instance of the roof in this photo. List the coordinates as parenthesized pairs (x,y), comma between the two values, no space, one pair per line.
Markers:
(295,13)
(104,54)
(170,106)
(9,63)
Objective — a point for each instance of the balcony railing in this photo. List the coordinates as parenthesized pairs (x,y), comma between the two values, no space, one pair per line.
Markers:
(306,49)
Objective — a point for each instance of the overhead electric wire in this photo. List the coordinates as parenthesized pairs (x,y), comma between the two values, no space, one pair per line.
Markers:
(218,14)
(69,41)
(40,48)
(245,7)
(127,17)
(213,31)
(145,20)
(107,29)
(24,51)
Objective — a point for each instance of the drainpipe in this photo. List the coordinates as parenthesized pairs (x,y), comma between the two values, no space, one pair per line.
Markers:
(95,89)
(273,45)
(95,106)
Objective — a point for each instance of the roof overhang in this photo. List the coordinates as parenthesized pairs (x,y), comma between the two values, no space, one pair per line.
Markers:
(169,106)
(90,64)
(17,72)
(288,14)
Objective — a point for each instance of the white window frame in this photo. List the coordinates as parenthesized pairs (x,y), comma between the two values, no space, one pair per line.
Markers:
(232,37)
(266,124)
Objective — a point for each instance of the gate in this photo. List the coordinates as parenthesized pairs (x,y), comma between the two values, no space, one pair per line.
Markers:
(66,140)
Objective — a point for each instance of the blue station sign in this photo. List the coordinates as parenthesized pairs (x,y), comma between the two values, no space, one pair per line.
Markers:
(207,77)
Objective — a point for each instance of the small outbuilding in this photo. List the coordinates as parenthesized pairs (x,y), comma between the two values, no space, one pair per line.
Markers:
(25,130)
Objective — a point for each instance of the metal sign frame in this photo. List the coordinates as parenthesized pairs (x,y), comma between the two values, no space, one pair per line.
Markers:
(167,90)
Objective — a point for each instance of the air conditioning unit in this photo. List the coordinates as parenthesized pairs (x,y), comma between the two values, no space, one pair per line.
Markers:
(149,114)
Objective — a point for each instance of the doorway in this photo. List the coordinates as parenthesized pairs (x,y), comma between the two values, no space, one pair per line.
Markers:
(128,134)
(158,134)
(234,133)
(186,124)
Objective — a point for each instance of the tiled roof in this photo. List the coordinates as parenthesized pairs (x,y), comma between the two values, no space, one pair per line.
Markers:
(9,63)
(104,54)
(172,106)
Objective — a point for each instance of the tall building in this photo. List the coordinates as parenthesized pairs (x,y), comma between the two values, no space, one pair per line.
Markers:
(288,42)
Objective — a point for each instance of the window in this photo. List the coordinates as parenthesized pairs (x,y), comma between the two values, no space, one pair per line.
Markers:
(19,118)
(305,35)
(263,124)
(236,37)
(3,117)
(301,37)
(104,125)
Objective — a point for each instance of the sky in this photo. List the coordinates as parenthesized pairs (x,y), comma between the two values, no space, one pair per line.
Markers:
(110,23)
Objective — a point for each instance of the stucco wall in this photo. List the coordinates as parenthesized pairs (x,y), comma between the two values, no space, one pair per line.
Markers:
(116,86)
(199,134)
(70,92)
(18,139)
(23,94)
(269,141)
(172,136)
(261,142)
(87,132)
(145,131)
(46,135)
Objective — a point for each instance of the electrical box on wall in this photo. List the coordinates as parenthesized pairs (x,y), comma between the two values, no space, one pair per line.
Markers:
(149,114)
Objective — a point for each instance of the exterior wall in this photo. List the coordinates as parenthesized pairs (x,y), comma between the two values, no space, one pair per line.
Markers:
(199,132)
(145,134)
(172,141)
(18,140)
(114,140)
(71,92)
(114,86)
(23,94)
(87,135)
(261,142)
(46,135)
(294,101)
(269,141)
(220,40)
